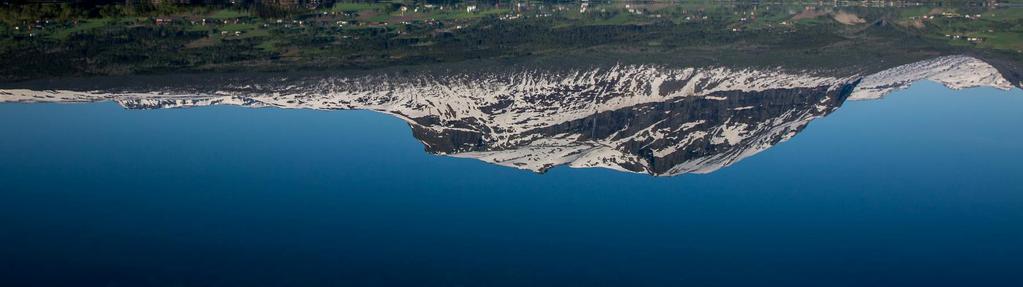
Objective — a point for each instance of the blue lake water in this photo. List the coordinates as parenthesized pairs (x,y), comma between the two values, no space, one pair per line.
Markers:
(923,188)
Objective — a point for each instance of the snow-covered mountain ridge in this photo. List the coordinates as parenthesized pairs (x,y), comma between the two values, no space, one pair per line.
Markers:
(954,72)
(639,118)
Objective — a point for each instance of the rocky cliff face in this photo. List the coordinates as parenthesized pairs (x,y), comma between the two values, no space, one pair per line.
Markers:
(685,135)
(637,118)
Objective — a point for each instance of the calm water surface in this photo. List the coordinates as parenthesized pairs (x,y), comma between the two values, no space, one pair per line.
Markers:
(923,188)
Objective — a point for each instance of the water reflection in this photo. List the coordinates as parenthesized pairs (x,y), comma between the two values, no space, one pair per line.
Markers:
(653,119)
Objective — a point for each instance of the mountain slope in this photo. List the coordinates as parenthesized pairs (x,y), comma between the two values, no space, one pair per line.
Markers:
(638,118)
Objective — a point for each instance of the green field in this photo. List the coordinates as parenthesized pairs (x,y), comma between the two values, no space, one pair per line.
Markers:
(116,39)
